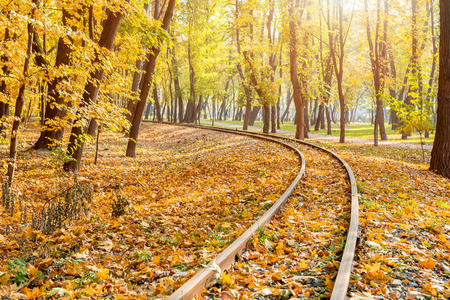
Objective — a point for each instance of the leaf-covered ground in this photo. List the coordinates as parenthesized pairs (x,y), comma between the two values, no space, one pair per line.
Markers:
(404,251)
(191,193)
(298,253)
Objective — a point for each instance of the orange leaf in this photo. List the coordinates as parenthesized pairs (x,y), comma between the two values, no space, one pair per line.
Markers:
(427,264)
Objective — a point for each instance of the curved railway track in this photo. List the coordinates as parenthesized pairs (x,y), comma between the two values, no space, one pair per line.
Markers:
(226,258)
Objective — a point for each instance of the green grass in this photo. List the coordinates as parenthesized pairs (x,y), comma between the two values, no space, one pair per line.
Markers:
(354,130)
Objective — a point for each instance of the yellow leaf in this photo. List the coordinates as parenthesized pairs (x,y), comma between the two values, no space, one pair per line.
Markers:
(33,294)
(120,297)
(103,274)
(246,214)
(4,279)
(402,195)
(280,248)
(277,276)
(226,278)
(32,270)
(329,284)
(155,260)
(272,259)
(226,225)
(303,264)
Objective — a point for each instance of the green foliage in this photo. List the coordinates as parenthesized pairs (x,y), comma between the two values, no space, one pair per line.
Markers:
(18,269)
(414,117)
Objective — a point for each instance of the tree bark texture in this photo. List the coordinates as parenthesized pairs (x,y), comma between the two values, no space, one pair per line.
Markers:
(440,155)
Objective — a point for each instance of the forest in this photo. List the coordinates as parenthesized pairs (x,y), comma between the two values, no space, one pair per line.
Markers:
(82,82)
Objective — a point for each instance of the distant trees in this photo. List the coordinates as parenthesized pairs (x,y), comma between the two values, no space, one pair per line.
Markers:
(312,61)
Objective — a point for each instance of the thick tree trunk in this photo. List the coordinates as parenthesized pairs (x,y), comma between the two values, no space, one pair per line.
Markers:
(50,134)
(440,155)
(76,143)
(146,85)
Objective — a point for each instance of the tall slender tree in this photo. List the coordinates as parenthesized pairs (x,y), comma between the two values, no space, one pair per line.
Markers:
(298,100)
(146,83)
(21,95)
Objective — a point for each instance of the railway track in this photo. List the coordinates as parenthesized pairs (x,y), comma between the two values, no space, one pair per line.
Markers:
(331,257)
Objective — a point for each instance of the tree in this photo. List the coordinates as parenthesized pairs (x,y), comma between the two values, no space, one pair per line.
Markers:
(337,42)
(21,96)
(91,90)
(378,59)
(298,99)
(146,84)
(440,155)
(54,110)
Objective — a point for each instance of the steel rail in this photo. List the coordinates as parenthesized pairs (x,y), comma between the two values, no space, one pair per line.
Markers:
(224,259)
(342,281)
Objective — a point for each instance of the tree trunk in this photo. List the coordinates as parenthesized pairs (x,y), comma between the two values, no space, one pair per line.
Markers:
(157,105)
(4,107)
(254,115)
(178,94)
(50,134)
(147,83)
(131,104)
(76,143)
(273,119)
(298,101)
(148,108)
(328,121)
(440,155)
(20,99)
(306,121)
(289,98)
(320,118)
